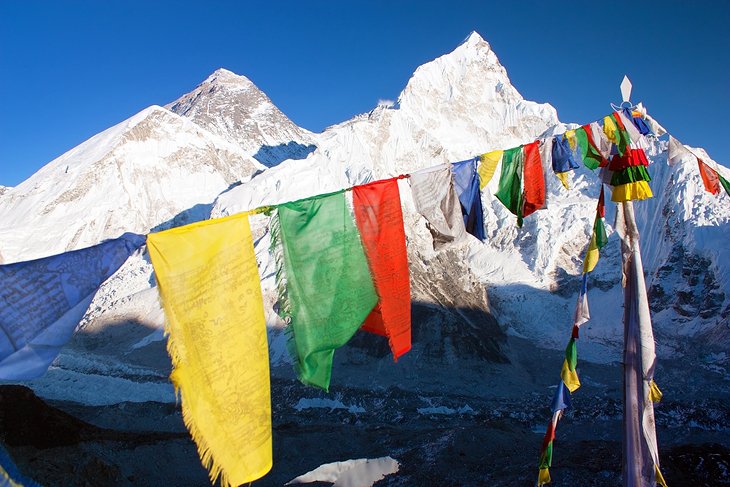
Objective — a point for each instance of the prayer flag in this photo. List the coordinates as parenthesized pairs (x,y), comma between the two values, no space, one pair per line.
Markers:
(561,400)
(325,286)
(436,200)
(43,300)
(564,158)
(487,165)
(570,377)
(510,182)
(582,313)
(639,190)
(675,151)
(592,157)
(546,157)
(534,181)
(725,184)
(631,158)
(563,176)
(637,120)
(616,133)
(380,220)
(630,175)
(209,286)
(466,183)
(10,475)
(709,177)
(628,125)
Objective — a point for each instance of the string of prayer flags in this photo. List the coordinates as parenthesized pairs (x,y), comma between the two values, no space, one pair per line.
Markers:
(379,219)
(325,287)
(487,166)
(466,182)
(570,381)
(209,285)
(436,200)
(561,402)
(43,300)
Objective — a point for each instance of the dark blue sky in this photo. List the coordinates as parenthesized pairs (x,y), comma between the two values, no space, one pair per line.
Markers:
(71,69)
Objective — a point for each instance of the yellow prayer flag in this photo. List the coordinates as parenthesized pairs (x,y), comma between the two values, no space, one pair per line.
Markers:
(572,141)
(487,165)
(638,190)
(610,129)
(592,256)
(655,395)
(659,477)
(570,377)
(543,477)
(563,176)
(209,284)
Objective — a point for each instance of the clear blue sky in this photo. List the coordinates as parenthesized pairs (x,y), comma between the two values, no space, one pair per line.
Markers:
(70,69)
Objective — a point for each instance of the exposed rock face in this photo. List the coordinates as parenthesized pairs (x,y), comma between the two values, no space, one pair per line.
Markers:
(233,107)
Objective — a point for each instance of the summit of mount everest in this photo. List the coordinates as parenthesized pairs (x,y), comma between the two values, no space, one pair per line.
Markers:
(489,318)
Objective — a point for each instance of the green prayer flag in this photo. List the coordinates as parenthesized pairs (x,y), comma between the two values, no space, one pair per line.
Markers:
(510,182)
(725,184)
(623,136)
(630,175)
(571,354)
(546,457)
(599,229)
(591,157)
(325,286)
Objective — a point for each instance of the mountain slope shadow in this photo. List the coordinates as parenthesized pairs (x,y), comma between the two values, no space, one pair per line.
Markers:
(273,155)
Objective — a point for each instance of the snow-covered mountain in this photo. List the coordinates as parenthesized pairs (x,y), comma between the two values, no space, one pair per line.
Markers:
(233,107)
(168,166)
(4,189)
(489,319)
(146,171)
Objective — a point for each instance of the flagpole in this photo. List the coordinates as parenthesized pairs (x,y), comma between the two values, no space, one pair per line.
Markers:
(640,452)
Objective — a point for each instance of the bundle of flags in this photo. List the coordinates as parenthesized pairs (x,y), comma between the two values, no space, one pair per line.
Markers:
(341,266)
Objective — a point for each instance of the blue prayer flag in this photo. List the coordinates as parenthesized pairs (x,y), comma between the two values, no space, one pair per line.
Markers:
(42,301)
(466,183)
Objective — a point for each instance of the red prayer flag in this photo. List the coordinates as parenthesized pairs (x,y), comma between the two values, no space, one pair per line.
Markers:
(631,158)
(534,180)
(709,177)
(549,435)
(380,220)
(601,209)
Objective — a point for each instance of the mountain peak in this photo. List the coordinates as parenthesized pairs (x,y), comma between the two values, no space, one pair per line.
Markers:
(474,39)
(223,76)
